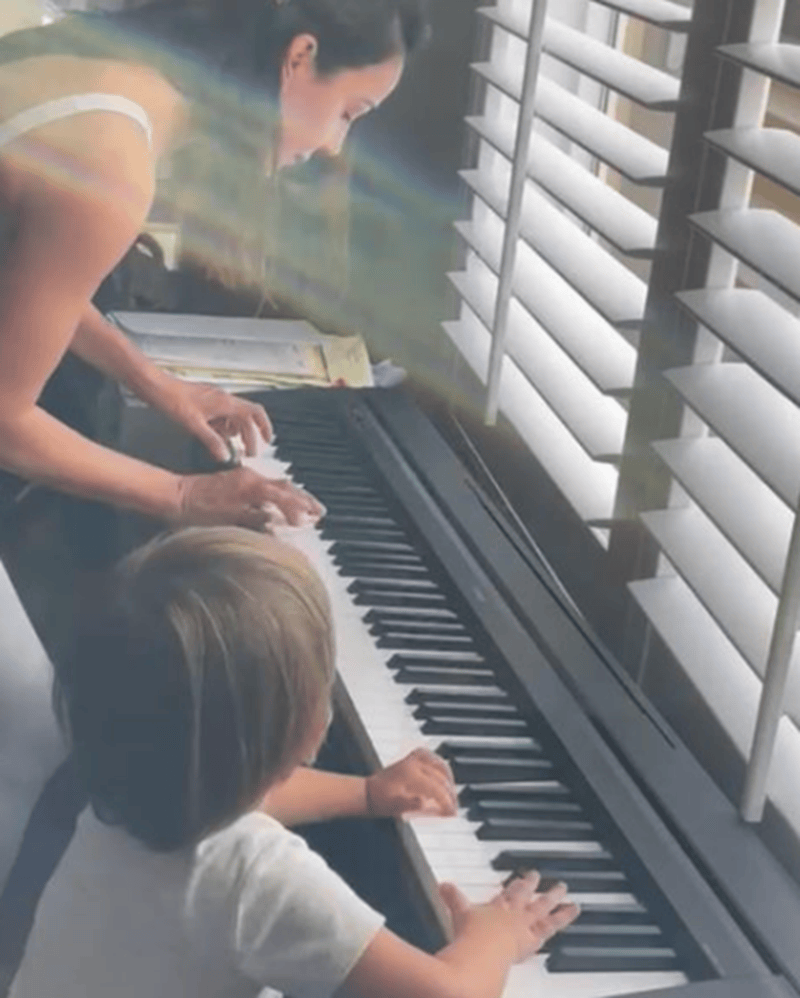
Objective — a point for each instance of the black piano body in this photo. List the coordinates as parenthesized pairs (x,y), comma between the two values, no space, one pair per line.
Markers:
(732,908)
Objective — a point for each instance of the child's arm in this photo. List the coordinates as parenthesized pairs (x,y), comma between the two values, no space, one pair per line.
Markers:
(489,939)
(419,782)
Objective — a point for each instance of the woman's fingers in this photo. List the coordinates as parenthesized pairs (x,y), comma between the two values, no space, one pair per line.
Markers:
(261,419)
(251,422)
(247,430)
(298,506)
(212,438)
(243,497)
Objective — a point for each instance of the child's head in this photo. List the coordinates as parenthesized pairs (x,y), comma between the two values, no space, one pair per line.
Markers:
(202,677)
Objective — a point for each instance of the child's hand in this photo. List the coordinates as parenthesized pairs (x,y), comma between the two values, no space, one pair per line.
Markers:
(422,781)
(518,913)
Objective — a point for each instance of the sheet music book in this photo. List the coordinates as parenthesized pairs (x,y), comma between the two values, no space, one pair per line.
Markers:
(239,353)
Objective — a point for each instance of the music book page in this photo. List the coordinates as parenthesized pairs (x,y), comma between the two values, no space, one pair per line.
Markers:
(242,353)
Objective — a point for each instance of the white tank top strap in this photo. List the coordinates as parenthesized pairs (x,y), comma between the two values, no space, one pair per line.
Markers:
(64,107)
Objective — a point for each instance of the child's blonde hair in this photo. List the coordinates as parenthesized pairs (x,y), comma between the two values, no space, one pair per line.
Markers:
(197,681)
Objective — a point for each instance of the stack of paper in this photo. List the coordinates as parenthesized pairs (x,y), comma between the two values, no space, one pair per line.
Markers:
(243,354)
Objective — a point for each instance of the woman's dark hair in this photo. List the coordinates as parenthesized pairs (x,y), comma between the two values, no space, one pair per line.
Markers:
(249,38)
(196,680)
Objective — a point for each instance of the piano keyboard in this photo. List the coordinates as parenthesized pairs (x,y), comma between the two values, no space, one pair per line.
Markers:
(416,672)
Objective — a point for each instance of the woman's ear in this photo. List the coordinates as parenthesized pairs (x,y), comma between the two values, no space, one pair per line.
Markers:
(300,57)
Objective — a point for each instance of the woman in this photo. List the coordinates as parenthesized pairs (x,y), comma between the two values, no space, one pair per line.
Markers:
(282,79)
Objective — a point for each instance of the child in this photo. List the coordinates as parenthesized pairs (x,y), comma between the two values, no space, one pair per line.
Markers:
(194,700)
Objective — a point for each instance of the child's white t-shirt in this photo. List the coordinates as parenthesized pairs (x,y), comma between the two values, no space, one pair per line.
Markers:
(251,907)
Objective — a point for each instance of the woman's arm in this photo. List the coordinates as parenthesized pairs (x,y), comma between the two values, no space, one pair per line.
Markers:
(69,237)
(71,231)
(104,346)
(419,782)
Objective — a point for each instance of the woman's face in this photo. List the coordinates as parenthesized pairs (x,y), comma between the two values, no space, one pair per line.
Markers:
(317,111)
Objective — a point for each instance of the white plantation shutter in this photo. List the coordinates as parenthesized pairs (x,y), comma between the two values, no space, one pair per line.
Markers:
(725,536)
(651,362)
(563,302)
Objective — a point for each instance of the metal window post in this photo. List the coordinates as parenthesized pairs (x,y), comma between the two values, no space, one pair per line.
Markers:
(765,28)
(519,172)
(770,707)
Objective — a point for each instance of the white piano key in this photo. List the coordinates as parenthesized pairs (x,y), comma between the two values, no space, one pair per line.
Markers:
(532,978)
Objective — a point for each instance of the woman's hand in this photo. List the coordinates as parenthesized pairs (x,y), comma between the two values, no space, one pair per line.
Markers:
(212,415)
(243,497)
(422,781)
(518,915)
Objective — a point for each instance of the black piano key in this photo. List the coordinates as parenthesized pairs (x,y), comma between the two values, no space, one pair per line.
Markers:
(303,421)
(343,495)
(289,439)
(333,480)
(336,506)
(472,715)
(333,471)
(495,765)
(404,599)
(344,553)
(552,858)
(492,701)
(613,914)
(411,642)
(355,520)
(536,808)
(480,728)
(355,504)
(605,935)
(435,614)
(444,662)
(422,586)
(435,711)
(479,771)
(378,570)
(380,564)
(334,486)
(379,547)
(493,753)
(327,456)
(612,882)
(536,830)
(616,960)
(317,450)
(410,676)
(362,535)
(392,624)
(543,791)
